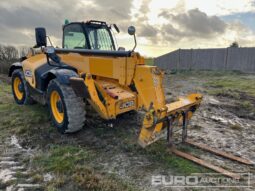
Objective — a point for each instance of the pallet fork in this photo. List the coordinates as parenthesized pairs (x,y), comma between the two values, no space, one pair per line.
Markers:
(185,140)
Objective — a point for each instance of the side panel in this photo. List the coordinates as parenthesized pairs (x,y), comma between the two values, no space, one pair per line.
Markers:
(118,68)
(109,67)
(30,65)
(37,71)
(101,67)
(81,63)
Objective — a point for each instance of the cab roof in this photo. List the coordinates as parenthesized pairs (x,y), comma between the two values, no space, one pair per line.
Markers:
(95,22)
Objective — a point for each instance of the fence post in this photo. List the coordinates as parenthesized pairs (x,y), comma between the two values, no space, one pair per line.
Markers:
(226,60)
(179,59)
(191,62)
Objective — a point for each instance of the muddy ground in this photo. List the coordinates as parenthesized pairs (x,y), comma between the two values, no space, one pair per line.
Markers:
(102,157)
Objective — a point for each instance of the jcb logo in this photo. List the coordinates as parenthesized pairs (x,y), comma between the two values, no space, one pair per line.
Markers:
(28,73)
(127,104)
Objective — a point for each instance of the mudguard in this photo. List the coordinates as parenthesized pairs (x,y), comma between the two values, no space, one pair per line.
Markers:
(63,75)
(14,66)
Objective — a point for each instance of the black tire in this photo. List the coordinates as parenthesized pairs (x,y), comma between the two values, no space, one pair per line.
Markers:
(25,99)
(72,107)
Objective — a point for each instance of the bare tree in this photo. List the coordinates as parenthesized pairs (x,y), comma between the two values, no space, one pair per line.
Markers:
(11,53)
(8,55)
(1,52)
(23,51)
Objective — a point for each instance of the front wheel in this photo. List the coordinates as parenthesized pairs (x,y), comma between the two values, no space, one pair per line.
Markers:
(20,88)
(67,111)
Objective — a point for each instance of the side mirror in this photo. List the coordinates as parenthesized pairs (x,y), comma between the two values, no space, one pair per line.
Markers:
(40,36)
(131,30)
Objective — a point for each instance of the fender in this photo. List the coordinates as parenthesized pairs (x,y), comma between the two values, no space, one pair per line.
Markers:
(62,75)
(14,66)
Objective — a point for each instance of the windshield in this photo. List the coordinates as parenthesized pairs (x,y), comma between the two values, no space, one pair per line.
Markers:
(100,37)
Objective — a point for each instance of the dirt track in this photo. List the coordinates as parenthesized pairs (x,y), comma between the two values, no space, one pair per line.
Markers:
(220,122)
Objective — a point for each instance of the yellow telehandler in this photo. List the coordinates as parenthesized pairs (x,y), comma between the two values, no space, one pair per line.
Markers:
(89,68)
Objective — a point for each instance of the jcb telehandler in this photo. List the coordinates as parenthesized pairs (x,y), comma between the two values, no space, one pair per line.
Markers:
(90,68)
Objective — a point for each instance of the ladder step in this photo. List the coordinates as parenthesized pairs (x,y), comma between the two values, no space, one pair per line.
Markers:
(220,153)
(205,164)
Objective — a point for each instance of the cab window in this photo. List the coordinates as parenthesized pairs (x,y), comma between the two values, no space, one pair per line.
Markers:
(100,38)
(74,37)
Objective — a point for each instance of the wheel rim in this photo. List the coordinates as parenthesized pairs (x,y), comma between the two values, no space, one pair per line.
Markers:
(17,88)
(55,101)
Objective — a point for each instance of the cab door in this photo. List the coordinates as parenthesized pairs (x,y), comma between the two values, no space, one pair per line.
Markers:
(74,37)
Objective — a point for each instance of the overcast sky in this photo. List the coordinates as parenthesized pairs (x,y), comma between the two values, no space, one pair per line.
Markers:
(162,25)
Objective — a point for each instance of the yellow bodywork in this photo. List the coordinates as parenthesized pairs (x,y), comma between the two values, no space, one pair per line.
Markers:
(109,81)
(31,64)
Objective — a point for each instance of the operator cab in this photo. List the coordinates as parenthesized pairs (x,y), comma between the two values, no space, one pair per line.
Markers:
(94,35)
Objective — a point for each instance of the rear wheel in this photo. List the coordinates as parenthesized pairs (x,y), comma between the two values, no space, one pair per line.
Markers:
(20,89)
(67,111)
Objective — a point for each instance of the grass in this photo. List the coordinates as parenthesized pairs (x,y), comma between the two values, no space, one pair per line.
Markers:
(235,86)
(234,83)
(179,166)
(159,155)
(224,81)
(69,164)
(18,119)
(61,159)
(21,120)
(227,84)
(238,87)
(235,127)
